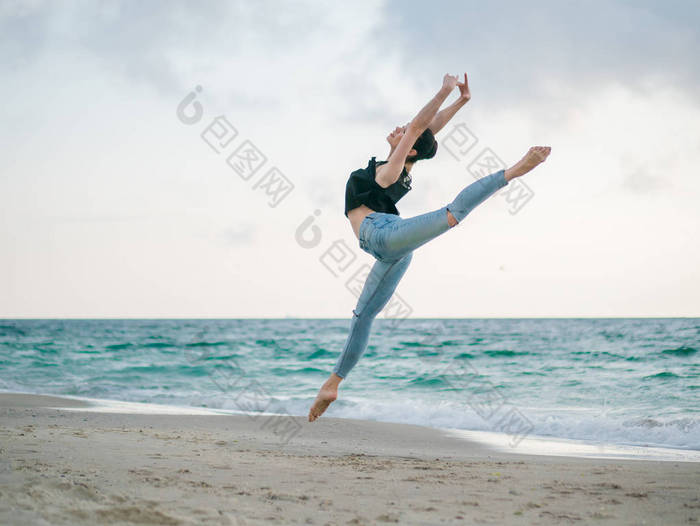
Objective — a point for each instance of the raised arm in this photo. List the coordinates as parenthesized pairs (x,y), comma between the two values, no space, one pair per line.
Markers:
(444,116)
(387,174)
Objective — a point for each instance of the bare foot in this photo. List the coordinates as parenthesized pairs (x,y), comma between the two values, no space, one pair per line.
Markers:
(327,395)
(533,157)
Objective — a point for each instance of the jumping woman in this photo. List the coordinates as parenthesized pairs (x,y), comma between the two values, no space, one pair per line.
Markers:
(370,198)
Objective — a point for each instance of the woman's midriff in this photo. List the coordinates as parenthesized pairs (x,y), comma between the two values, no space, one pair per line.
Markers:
(356,216)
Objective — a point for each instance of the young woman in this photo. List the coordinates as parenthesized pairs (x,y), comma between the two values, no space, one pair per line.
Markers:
(370,196)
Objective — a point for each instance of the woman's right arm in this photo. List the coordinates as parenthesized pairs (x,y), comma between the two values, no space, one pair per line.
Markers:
(387,174)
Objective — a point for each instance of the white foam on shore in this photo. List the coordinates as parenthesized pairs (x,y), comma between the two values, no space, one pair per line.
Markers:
(499,442)
(536,445)
(98,405)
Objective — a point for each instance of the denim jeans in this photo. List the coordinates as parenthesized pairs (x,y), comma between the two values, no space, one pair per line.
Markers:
(391,240)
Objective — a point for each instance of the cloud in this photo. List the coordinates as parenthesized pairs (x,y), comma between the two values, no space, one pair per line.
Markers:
(91,91)
(240,234)
(641,181)
(159,42)
(517,48)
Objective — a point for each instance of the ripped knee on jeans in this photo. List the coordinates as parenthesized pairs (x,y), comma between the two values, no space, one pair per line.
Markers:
(451,221)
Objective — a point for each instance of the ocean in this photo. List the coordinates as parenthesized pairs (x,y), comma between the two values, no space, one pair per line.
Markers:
(629,381)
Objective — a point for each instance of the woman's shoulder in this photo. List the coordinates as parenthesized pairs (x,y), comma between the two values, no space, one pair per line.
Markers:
(367,170)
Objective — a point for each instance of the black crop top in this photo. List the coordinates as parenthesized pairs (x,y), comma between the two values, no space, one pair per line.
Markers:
(362,189)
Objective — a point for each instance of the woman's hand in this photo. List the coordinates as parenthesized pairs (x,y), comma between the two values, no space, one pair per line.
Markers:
(449,81)
(464,93)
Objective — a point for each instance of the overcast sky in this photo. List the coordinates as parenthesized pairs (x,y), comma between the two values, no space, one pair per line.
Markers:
(112,206)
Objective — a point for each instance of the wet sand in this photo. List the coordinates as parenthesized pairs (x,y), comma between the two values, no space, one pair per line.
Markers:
(59,466)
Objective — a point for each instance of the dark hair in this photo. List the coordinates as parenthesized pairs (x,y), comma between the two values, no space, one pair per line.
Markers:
(425,146)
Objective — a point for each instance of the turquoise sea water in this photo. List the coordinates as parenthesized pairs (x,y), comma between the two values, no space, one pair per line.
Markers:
(622,381)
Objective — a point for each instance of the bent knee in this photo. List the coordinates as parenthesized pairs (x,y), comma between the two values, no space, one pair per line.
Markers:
(451,221)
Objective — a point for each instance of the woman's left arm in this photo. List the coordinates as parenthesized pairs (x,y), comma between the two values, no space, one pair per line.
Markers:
(444,116)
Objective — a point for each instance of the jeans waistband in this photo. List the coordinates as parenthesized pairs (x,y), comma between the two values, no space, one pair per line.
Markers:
(363,228)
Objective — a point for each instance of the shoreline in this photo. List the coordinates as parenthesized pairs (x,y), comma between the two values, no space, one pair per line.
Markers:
(495,442)
(79,318)
(77,467)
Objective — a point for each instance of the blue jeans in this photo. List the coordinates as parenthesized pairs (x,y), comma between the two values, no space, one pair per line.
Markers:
(392,240)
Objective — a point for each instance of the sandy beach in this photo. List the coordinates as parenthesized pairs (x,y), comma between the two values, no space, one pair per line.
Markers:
(60,466)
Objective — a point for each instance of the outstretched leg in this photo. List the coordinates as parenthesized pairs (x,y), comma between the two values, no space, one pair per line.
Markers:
(376,293)
(406,235)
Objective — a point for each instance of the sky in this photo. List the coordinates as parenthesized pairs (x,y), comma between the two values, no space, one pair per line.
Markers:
(121,194)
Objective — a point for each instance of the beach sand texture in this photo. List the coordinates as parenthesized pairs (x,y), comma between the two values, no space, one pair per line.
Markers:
(60,466)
